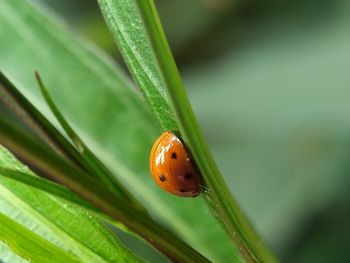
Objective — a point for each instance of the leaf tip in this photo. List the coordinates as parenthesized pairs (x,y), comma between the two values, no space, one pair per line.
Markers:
(39,81)
(37,76)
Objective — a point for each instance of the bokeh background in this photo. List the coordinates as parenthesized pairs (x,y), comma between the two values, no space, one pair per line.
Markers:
(270,83)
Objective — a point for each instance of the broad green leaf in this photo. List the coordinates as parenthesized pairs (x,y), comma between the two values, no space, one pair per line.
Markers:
(29,245)
(100,104)
(60,222)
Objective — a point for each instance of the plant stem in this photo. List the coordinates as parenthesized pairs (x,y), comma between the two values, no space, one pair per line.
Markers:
(218,196)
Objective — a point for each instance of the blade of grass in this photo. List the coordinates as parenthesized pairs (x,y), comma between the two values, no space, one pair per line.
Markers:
(7,255)
(219,197)
(91,162)
(148,75)
(142,61)
(86,160)
(34,120)
(62,223)
(48,187)
(15,101)
(32,190)
(59,191)
(85,186)
(56,206)
(29,245)
(125,24)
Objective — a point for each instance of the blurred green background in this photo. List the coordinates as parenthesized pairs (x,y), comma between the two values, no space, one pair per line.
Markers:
(269,81)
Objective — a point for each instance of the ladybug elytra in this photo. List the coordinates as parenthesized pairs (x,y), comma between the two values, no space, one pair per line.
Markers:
(172,167)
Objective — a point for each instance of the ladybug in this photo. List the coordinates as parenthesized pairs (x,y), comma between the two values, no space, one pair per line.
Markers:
(172,167)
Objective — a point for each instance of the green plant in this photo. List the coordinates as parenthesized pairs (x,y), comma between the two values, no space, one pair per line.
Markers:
(109,188)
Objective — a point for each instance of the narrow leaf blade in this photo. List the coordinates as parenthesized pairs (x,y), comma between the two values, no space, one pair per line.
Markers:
(127,29)
(90,161)
(29,245)
(62,223)
(126,25)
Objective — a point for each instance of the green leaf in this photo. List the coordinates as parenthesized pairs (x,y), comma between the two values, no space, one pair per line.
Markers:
(7,255)
(29,245)
(79,182)
(217,193)
(156,52)
(90,161)
(152,57)
(51,188)
(13,100)
(86,160)
(102,107)
(127,29)
(126,26)
(63,224)
(58,191)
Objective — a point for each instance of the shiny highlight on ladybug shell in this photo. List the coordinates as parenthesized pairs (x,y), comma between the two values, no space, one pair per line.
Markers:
(172,167)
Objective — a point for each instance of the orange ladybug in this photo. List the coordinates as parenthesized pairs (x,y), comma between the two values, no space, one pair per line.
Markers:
(172,167)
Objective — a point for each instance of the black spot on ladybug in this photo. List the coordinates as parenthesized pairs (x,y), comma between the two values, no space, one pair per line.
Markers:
(182,190)
(173,155)
(162,178)
(188,176)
